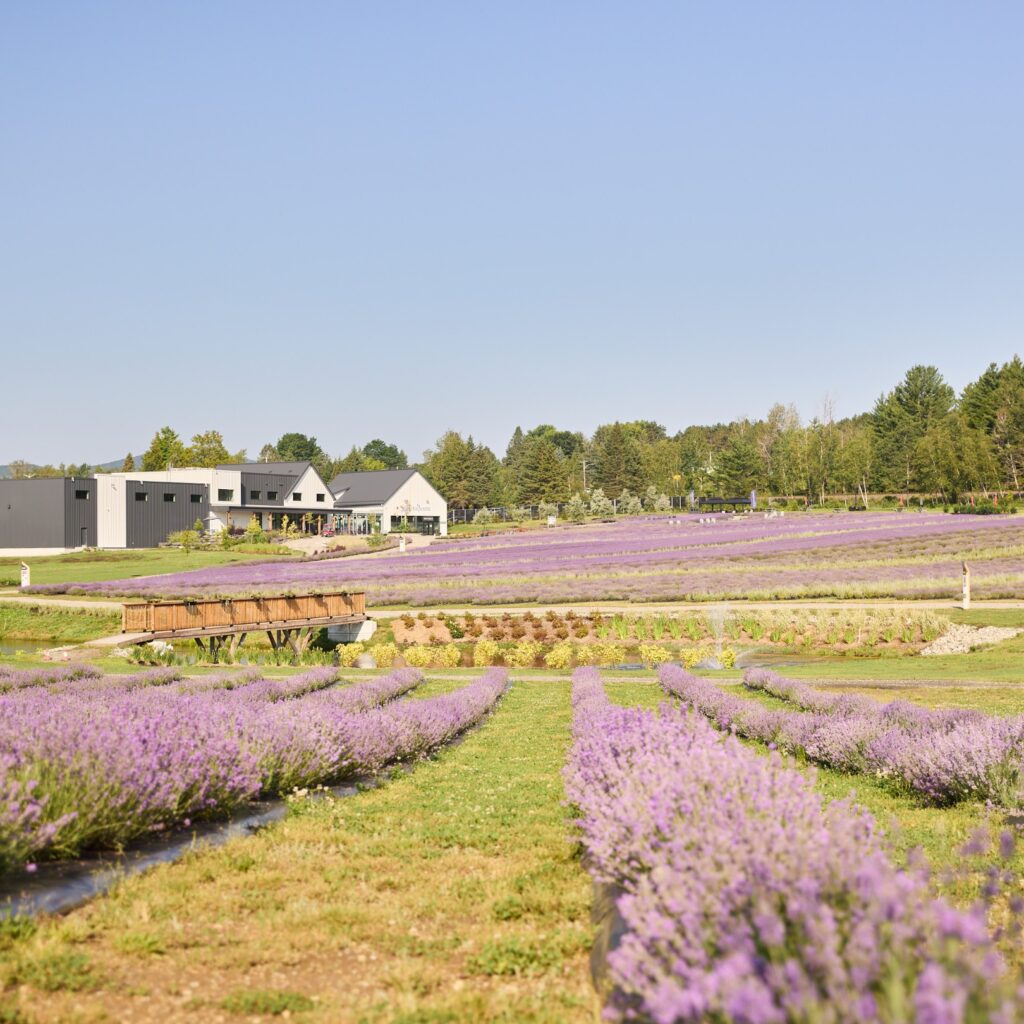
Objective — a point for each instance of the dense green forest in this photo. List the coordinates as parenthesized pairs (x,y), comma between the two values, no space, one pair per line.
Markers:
(920,438)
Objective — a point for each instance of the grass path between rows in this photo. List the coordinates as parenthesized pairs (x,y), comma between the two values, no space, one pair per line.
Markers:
(450,894)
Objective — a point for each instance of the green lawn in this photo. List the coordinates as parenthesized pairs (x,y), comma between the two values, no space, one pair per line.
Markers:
(452,893)
(93,566)
(61,625)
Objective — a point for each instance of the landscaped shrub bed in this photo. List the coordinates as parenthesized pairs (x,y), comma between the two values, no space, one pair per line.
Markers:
(747,898)
(840,630)
(93,762)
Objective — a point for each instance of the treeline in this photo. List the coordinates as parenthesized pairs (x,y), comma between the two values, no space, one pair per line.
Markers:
(920,438)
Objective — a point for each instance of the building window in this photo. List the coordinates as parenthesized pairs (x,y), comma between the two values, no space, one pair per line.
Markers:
(297,496)
(81,495)
(319,497)
(271,495)
(254,495)
(170,496)
(141,496)
(195,498)
(225,495)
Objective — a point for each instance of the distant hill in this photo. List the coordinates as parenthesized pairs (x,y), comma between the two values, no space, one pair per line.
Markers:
(5,471)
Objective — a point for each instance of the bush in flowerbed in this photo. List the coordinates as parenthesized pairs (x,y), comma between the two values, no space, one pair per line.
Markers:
(384,654)
(524,654)
(485,653)
(433,655)
(560,656)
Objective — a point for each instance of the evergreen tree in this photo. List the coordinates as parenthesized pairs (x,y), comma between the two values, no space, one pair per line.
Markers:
(739,464)
(619,464)
(542,474)
(902,418)
(165,450)
(129,463)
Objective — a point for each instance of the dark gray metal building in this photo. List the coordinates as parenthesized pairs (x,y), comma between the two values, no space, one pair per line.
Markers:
(48,513)
(154,510)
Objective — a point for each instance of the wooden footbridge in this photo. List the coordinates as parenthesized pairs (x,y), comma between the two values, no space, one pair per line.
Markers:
(212,623)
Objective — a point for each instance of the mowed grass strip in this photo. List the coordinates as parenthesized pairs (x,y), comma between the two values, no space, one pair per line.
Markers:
(450,894)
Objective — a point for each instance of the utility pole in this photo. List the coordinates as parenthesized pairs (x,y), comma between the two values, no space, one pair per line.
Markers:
(584,461)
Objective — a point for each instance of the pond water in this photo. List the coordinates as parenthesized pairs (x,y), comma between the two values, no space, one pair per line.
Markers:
(8,647)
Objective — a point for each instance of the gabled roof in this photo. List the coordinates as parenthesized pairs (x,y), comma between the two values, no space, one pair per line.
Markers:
(370,488)
(292,469)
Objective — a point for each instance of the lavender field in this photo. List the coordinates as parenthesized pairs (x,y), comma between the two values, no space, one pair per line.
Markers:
(885,554)
(90,761)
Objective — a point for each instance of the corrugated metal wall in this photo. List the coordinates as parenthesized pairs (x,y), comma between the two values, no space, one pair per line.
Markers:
(150,521)
(264,482)
(32,513)
(80,512)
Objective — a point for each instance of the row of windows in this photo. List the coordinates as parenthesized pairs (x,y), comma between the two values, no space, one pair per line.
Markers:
(195,499)
(271,496)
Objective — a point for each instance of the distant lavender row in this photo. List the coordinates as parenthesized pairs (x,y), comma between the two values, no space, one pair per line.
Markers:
(98,768)
(14,678)
(944,756)
(646,558)
(746,899)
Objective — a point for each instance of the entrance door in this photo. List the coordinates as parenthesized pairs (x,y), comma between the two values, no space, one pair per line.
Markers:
(85,536)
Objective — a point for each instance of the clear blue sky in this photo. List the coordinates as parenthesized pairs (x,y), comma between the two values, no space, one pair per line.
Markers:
(359,220)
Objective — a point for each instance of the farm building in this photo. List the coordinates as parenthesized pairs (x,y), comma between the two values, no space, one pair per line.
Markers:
(49,514)
(393,496)
(140,509)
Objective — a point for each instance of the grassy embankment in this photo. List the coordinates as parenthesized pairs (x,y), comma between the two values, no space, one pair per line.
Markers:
(61,625)
(93,566)
(450,894)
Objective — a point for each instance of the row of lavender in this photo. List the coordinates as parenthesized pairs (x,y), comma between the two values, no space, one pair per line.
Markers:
(673,557)
(945,756)
(746,898)
(88,762)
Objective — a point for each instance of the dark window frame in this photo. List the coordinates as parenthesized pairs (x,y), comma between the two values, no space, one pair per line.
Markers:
(271,495)
(255,495)
(297,496)
(225,494)
(142,496)
(82,495)
(170,496)
(195,499)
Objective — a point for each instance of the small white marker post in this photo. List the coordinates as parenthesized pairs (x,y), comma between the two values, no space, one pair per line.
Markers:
(401,544)
(26,575)
(966,587)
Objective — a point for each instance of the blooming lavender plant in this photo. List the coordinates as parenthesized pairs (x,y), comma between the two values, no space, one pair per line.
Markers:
(747,899)
(945,756)
(648,558)
(85,768)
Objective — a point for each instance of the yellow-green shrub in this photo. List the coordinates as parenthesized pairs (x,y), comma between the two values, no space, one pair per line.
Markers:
(384,654)
(607,653)
(560,656)
(447,656)
(486,652)
(418,655)
(727,657)
(652,654)
(524,654)
(692,655)
(347,653)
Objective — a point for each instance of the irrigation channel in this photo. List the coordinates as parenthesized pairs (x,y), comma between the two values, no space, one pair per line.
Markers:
(60,886)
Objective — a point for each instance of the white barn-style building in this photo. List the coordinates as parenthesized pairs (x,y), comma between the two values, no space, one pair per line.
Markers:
(397,498)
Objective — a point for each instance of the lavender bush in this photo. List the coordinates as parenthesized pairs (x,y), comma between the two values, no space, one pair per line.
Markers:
(747,899)
(96,767)
(945,756)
